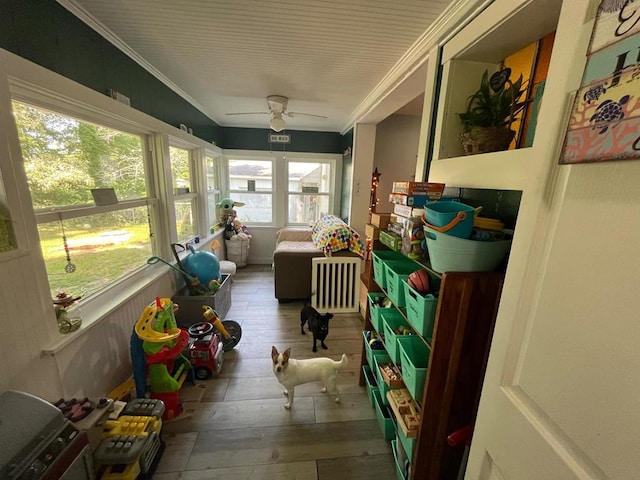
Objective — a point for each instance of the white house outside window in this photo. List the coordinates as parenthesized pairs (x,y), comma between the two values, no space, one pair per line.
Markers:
(251,182)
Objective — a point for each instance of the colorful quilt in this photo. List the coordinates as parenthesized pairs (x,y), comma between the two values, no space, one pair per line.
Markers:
(331,234)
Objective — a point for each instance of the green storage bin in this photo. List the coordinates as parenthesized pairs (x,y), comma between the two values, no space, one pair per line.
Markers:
(399,468)
(385,419)
(391,240)
(375,310)
(391,321)
(383,388)
(396,273)
(421,310)
(414,359)
(379,257)
(371,382)
(370,352)
(407,443)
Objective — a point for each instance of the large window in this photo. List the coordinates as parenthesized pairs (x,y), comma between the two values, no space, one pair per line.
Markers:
(184,198)
(85,247)
(309,191)
(212,173)
(251,182)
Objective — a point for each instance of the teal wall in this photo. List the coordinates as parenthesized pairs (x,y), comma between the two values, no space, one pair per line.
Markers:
(45,33)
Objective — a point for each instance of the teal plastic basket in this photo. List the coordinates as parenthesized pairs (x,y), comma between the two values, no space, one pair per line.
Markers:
(414,359)
(376,310)
(452,218)
(398,272)
(379,257)
(421,310)
(390,322)
(448,253)
(383,413)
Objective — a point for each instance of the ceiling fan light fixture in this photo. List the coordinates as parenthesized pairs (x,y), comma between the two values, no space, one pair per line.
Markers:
(277,123)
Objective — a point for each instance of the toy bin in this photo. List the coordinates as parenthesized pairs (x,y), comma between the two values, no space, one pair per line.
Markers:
(371,381)
(414,358)
(407,443)
(385,419)
(421,310)
(375,310)
(452,218)
(370,352)
(391,323)
(190,306)
(398,272)
(452,254)
(383,387)
(400,469)
(379,257)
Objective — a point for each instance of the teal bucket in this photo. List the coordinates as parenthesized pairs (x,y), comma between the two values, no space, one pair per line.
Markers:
(452,254)
(452,218)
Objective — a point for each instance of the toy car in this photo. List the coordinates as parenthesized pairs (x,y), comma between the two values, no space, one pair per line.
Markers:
(206,353)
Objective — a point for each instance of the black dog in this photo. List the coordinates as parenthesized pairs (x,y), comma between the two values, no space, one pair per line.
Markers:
(318,324)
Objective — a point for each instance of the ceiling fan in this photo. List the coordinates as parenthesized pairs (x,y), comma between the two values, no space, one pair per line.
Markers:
(277,109)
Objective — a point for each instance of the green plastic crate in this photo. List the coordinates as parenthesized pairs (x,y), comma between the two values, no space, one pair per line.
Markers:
(407,443)
(391,321)
(396,273)
(379,257)
(414,359)
(382,385)
(399,468)
(370,353)
(375,311)
(384,414)
(421,310)
(371,381)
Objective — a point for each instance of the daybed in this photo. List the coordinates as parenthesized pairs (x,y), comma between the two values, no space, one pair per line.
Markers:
(295,247)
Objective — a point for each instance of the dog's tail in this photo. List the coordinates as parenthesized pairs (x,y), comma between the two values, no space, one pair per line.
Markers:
(343,361)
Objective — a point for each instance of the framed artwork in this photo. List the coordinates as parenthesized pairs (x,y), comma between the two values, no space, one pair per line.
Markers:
(605,118)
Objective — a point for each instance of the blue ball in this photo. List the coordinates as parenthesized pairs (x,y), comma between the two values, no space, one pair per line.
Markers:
(204,265)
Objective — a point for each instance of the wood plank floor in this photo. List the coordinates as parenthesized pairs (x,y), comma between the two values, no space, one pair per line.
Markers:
(241,430)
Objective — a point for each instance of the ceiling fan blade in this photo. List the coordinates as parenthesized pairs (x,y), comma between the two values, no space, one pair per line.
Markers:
(249,113)
(293,114)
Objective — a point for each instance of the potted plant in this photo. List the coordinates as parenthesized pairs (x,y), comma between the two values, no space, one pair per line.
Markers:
(491,111)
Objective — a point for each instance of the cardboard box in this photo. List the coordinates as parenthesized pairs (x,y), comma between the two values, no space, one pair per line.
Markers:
(380,220)
(190,306)
(405,211)
(430,189)
(371,231)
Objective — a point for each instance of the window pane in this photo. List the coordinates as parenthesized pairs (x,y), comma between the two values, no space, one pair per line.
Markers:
(257,208)
(64,158)
(308,177)
(213,188)
(179,158)
(307,208)
(102,247)
(250,175)
(185,219)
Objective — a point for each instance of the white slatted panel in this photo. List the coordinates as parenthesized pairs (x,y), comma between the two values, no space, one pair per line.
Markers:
(228,55)
(335,284)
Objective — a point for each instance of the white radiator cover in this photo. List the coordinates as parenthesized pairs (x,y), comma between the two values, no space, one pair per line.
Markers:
(335,284)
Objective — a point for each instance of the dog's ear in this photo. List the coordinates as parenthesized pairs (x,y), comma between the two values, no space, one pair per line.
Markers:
(286,354)
(329,316)
(274,354)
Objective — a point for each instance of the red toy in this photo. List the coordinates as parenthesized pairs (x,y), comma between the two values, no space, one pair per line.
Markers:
(206,353)
(419,281)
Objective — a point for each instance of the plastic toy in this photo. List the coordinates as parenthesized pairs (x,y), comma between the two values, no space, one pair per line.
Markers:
(230,330)
(205,350)
(162,343)
(203,265)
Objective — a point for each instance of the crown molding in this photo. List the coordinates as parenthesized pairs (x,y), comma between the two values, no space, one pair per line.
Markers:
(84,16)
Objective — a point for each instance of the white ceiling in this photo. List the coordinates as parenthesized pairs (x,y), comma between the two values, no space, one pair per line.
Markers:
(330,57)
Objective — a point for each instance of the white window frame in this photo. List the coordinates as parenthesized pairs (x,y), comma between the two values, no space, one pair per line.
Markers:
(256,156)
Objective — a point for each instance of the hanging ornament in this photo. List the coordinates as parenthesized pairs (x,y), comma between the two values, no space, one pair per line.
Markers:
(375,181)
(69,267)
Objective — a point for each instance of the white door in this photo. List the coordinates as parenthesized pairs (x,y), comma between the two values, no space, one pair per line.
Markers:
(561,398)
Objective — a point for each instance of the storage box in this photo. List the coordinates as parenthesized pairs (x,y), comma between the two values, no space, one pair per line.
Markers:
(421,309)
(391,240)
(409,200)
(371,231)
(406,211)
(379,258)
(382,386)
(384,417)
(190,306)
(372,384)
(370,352)
(391,321)
(400,472)
(396,273)
(375,310)
(430,189)
(380,220)
(414,359)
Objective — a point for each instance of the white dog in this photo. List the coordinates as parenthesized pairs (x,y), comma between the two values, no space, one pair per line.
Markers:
(291,373)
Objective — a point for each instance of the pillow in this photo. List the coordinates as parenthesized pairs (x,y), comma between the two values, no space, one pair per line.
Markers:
(331,234)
